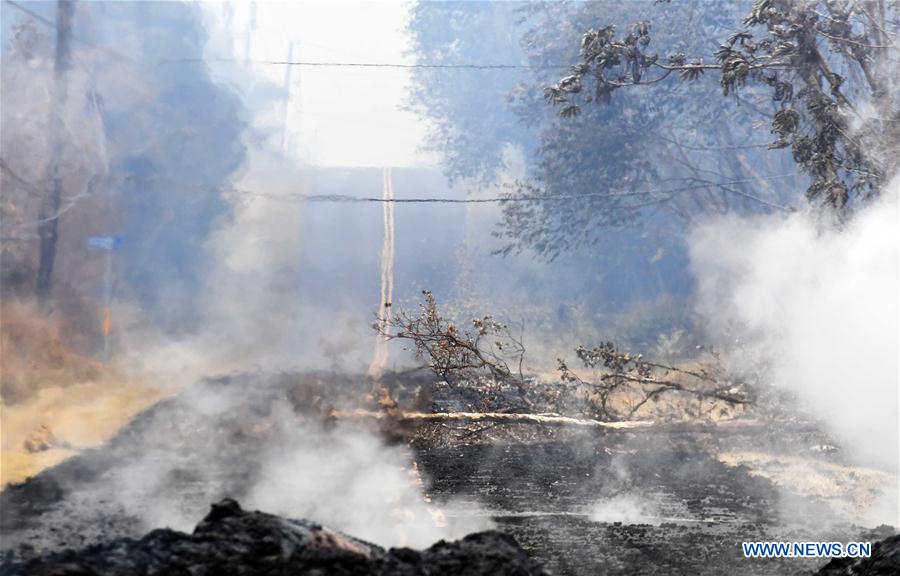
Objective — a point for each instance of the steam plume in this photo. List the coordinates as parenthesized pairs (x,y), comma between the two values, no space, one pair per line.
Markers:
(819,307)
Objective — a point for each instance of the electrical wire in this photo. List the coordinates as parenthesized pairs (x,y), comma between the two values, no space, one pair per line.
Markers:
(301,197)
(508,198)
(31,13)
(47,22)
(373,64)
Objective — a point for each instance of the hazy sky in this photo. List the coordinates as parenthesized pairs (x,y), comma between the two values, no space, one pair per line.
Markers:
(338,116)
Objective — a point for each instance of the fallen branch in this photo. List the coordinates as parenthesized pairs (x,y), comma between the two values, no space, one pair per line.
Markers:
(482,363)
(555,420)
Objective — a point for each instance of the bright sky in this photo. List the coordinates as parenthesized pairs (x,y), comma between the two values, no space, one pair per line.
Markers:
(337,116)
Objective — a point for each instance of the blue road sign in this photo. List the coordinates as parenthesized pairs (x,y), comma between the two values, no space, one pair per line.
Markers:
(104,242)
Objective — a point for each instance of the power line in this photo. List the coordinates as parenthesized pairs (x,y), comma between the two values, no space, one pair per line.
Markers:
(89,43)
(371,64)
(506,198)
(31,13)
(48,22)
(300,197)
(346,198)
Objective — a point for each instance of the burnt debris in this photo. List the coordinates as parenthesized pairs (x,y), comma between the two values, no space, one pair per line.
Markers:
(885,561)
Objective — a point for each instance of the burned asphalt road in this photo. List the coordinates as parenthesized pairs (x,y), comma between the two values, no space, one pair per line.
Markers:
(578,503)
(685,511)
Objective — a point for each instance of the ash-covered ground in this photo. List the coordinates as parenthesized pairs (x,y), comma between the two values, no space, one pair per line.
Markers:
(578,502)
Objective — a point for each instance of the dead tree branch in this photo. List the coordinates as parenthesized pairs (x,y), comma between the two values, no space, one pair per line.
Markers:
(620,370)
(481,354)
(477,361)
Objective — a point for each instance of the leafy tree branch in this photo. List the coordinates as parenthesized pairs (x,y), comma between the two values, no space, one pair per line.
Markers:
(843,129)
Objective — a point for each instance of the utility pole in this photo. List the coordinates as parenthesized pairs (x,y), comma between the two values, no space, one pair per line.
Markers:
(48,222)
(287,95)
(248,35)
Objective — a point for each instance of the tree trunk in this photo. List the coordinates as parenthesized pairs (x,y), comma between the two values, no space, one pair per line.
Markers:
(48,221)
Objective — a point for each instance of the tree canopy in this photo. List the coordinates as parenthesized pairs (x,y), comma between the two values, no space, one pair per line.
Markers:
(648,160)
(829,67)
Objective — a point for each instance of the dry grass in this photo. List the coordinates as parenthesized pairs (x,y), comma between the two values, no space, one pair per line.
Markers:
(36,349)
(50,389)
(848,490)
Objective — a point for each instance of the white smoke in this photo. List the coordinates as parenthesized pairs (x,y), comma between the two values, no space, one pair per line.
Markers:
(820,307)
(627,509)
(348,478)
(345,477)
(246,440)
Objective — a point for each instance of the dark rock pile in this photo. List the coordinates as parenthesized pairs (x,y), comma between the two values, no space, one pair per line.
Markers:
(885,561)
(232,541)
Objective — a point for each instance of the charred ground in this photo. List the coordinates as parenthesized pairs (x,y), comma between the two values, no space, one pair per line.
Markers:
(540,485)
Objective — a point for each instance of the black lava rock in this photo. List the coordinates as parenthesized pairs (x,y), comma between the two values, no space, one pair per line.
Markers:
(232,541)
(885,561)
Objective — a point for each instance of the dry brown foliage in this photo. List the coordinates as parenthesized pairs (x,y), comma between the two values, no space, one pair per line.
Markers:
(484,363)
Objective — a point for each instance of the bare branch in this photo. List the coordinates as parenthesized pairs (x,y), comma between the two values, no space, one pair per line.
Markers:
(478,361)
